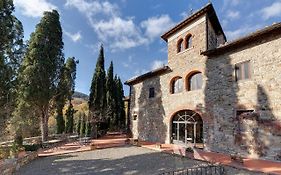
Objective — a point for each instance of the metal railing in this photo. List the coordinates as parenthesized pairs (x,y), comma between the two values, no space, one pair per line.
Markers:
(203,170)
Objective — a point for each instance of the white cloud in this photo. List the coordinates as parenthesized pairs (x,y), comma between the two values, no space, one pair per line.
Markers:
(93,8)
(157,64)
(233,14)
(122,33)
(155,26)
(33,8)
(234,34)
(74,36)
(105,18)
(273,10)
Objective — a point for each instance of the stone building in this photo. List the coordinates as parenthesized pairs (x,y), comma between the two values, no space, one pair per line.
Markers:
(215,95)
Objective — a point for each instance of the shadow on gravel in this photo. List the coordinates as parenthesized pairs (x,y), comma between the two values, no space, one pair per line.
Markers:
(146,162)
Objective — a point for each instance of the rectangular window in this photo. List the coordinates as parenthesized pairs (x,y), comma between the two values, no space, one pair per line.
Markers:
(151,92)
(243,71)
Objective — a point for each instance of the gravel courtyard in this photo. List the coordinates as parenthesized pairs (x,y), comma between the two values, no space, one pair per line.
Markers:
(112,161)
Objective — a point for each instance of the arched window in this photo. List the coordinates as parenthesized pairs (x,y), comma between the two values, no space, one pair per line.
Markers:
(188,41)
(176,85)
(187,126)
(195,81)
(180,45)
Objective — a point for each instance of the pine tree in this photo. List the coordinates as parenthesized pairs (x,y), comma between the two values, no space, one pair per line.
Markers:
(111,101)
(97,97)
(41,68)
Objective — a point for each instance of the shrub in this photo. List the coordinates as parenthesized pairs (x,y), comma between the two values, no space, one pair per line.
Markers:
(33,147)
(189,149)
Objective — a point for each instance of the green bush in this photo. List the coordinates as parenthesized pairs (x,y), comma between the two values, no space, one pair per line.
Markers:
(33,147)
(189,149)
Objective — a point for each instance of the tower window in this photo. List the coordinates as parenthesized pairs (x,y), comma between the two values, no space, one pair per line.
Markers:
(180,45)
(176,85)
(195,81)
(188,41)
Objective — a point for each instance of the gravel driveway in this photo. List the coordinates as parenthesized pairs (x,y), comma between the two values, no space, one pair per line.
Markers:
(113,161)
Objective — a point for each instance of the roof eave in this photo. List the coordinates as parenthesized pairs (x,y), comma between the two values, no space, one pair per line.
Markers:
(150,74)
(240,42)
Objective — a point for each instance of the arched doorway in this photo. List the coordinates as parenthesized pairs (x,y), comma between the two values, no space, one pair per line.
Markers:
(187,127)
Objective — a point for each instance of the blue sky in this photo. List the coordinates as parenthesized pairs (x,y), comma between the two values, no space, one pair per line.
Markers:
(130,30)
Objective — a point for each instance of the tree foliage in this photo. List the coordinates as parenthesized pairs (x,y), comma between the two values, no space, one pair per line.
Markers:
(41,68)
(106,98)
(69,118)
(65,91)
(110,98)
(11,52)
(83,125)
(97,97)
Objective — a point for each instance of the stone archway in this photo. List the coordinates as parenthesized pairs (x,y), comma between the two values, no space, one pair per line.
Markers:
(187,128)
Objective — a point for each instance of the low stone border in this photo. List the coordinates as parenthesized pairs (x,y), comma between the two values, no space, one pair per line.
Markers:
(10,166)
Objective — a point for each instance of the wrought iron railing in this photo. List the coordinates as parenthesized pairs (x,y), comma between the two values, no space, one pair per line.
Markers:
(202,170)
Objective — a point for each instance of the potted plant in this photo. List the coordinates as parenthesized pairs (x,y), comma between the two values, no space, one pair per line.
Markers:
(189,151)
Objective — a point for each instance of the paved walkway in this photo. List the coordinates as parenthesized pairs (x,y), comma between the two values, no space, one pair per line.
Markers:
(248,164)
(108,141)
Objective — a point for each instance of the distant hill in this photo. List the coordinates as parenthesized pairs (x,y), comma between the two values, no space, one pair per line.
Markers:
(80,95)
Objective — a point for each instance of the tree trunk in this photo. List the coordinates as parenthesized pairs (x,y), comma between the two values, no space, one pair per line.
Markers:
(44,124)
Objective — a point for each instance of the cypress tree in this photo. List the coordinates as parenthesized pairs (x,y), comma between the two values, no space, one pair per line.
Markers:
(65,91)
(60,101)
(69,118)
(111,101)
(11,52)
(88,128)
(120,113)
(78,124)
(70,68)
(42,67)
(83,125)
(97,97)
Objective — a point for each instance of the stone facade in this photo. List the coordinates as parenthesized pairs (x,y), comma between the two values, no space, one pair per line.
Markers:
(255,134)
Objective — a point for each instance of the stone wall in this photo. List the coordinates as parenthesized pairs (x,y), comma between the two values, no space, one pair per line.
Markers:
(10,166)
(154,115)
(256,136)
